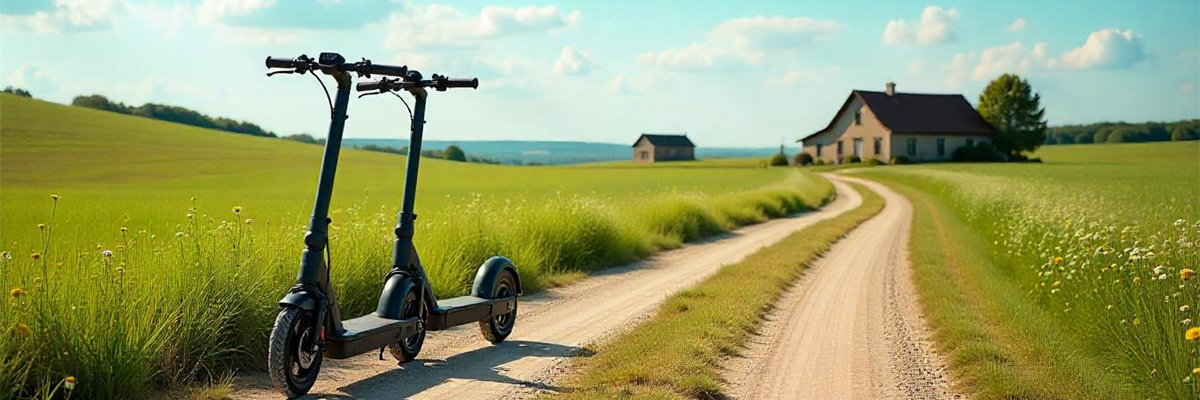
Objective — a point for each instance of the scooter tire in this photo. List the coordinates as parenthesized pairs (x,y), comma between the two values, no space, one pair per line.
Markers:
(292,370)
(406,350)
(496,329)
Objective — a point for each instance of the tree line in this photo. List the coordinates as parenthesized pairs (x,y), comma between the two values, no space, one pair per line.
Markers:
(175,114)
(452,153)
(1124,132)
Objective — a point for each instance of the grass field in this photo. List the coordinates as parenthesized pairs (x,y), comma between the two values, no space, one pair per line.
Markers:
(159,259)
(1070,279)
(678,352)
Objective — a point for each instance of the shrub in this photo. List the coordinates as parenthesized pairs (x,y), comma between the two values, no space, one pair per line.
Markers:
(778,160)
(455,153)
(804,159)
(901,160)
(819,162)
(851,160)
(873,162)
(966,154)
(1018,157)
(987,152)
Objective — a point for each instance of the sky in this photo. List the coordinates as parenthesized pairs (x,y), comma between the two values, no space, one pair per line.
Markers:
(742,74)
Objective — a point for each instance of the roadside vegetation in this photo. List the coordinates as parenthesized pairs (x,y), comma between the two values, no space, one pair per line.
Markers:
(140,256)
(1073,281)
(677,353)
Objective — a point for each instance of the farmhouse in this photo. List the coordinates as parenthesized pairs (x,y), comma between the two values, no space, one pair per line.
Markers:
(655,148)
(885,125)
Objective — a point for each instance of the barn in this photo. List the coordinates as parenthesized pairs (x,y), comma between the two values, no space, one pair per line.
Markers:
(885,125)
(659,147)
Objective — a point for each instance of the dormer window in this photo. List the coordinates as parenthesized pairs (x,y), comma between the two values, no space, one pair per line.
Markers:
(858,117)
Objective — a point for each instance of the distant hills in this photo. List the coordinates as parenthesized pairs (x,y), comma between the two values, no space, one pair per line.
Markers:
(555,152)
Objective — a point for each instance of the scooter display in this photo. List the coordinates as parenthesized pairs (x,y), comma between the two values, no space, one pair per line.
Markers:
(309,326)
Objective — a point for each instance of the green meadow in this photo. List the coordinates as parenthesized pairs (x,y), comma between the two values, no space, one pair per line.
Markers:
(1071,279)
(141,256)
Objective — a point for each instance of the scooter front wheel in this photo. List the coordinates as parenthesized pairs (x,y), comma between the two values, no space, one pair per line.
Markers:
(291,358)
(406,350)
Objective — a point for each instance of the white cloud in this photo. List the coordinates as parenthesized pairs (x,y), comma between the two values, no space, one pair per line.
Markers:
(623,84)
(72,16)
(438,26)
(573,61)
(1107,48)
(1017,25)
(935,26)
(34,78)
(213,11)
(1187,87)
(742,41)
(916,64)
(805,76)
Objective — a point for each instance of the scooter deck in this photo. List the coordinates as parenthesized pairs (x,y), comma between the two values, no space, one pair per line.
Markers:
(465,310)
(367,333)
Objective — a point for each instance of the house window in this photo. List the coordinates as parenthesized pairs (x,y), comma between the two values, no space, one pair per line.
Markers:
(858,117)
(840,148)
(858,148)
(912,147)
(941,147)
(970,142)
(878,146)
(645,155)
(819,146)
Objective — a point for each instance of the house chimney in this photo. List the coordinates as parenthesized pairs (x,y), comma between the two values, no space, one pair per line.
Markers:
(891,88)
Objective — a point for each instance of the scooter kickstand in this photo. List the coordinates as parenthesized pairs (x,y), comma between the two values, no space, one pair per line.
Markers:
(381,353)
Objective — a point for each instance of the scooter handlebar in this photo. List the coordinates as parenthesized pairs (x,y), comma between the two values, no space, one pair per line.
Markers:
(281,62)
(371,86)
(388,70)
(445,82)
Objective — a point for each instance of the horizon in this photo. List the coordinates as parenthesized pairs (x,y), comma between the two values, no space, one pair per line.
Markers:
(732,75)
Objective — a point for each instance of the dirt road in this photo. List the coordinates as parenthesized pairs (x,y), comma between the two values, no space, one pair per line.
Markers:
(851,328)
(552,326)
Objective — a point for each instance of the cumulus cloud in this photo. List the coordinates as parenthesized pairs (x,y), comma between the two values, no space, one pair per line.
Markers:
(71,16)
(742,41)
(573,61)
(1104,49)
(1017,25)
(438,26)
(1107,48)
(936,25)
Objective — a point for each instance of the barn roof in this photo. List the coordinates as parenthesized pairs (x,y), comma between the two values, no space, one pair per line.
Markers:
(666,140)
(919,113)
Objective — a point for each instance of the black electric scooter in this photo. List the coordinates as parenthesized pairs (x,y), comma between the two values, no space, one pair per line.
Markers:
(309,326)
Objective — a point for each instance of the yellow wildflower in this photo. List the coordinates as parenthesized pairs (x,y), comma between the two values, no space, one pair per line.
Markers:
(1196,370)
(237,209)
(16,293)
(1186,273)
(1057,283)
(1138,321)
(23,329)
(1192,333)
(69,382)
(1058,260)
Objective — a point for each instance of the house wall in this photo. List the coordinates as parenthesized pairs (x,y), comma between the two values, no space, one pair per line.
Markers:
(926,145)
(643,151)
(844,129)
(673,153)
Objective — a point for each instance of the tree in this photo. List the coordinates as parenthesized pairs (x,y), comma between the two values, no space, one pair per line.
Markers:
(1181,133)
(1101,136)
(17,91)
(804,159)
(1011,106)
(778,160)
(454,153)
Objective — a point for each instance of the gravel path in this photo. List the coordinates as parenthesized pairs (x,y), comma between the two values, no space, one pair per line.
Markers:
(851,328)
(552,326)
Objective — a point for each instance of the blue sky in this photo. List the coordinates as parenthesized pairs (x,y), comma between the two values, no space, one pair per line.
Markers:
(728,73)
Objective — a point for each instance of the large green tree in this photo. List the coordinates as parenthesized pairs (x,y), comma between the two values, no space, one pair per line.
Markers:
(1011,106)
(454,153)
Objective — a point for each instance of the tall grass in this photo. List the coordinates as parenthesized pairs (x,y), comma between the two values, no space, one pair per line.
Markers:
(149,311)
(1106,253)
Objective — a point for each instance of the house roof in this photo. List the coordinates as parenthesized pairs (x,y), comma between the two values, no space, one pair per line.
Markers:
(918,113)
(666,140)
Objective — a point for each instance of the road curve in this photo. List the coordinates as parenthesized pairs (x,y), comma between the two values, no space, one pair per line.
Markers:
(851,328)
(552,326)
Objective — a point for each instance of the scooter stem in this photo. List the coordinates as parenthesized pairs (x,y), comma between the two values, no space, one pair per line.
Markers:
(405,226)
(318,227)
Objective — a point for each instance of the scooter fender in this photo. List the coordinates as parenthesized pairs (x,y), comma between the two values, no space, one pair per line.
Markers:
(489,272)
(391,300)
(300,299)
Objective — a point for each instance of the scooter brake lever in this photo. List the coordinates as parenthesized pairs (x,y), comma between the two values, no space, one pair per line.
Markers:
(273,73)
(369,94)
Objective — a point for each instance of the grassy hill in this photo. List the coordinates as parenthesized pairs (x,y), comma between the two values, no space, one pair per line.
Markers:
(160,262)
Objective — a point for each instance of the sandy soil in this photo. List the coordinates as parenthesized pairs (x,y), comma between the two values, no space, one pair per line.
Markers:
(552,326)
(851,328)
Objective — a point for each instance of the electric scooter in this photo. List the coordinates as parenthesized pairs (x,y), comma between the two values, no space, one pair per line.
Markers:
(309,326)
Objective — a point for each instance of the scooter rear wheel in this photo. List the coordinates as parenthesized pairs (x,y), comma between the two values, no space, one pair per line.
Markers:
(406,350)
(496,329)
(291,360)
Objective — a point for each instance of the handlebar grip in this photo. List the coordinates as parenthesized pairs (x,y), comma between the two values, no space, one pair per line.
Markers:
(279,62)
(472,83)
(369,86)
(389,70)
